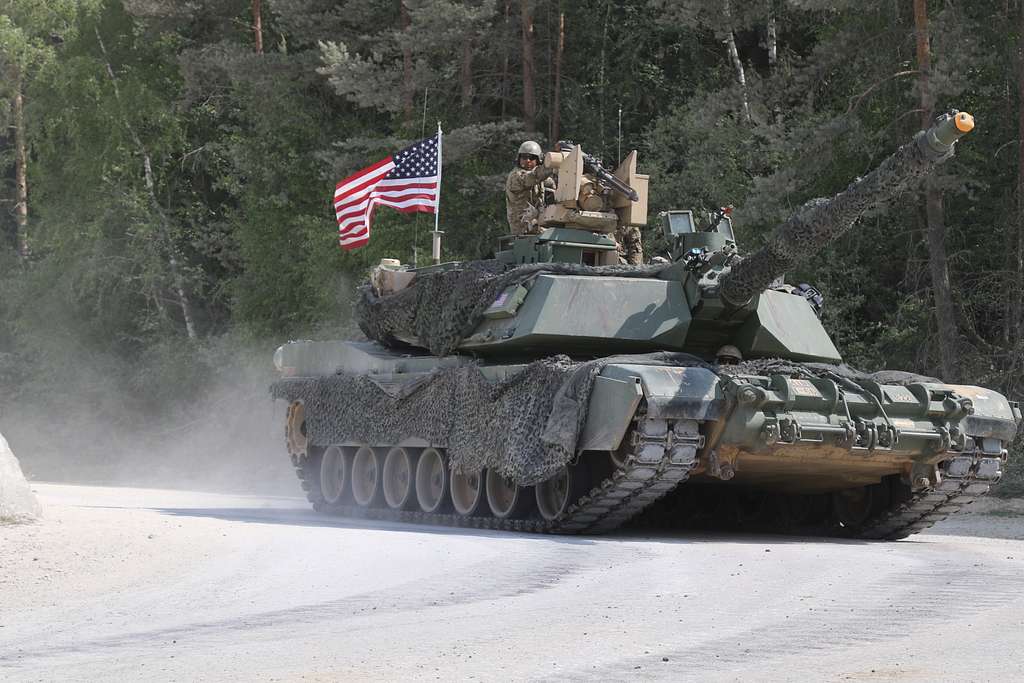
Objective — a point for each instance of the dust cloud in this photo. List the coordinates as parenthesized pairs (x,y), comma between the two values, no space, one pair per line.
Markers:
(86,405)
(227,437)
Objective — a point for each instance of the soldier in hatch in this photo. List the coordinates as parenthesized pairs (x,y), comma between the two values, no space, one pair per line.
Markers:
(728,355)
(524,188)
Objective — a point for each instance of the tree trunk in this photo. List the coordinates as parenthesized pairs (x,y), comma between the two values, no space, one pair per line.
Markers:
(737,64)
(257,26)
(945,311)
(407,88)
(773,59)
(556,105)
(924,61)
(161,310)
(529,91)
(600,78)
(20,169)
(164,233)
(503,92)
(1014,326)
(466,73)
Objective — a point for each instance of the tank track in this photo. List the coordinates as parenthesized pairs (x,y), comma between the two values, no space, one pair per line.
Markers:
(659,455)
(895,510)
(963,479)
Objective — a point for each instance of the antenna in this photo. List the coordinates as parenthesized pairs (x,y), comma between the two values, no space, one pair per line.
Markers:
(435,244)
(416,223)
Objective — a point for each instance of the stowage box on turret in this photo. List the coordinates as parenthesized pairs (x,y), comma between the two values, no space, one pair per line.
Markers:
(551,389)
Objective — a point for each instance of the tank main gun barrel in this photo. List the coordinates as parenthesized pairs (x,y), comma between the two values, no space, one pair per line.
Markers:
(821,221)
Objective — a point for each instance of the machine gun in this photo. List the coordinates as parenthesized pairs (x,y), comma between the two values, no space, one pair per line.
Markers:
(592,165)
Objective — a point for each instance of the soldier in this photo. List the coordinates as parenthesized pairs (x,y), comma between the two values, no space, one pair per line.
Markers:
(631,250)
(524,188)
(728,355)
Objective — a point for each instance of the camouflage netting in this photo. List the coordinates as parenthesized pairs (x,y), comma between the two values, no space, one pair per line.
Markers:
(440,309)
(821,221)
(842,374)
(525,427)
(17,503)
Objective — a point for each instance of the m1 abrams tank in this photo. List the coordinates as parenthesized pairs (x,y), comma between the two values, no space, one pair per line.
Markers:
(550,389)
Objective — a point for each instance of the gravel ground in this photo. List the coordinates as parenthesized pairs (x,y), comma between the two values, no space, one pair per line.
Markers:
(141,584)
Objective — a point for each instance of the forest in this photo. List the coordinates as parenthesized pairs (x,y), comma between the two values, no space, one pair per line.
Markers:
(168,167)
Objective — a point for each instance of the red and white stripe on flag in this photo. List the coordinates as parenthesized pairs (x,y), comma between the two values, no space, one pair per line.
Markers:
(407,181)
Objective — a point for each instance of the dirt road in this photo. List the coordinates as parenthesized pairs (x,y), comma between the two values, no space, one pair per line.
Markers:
(134,584)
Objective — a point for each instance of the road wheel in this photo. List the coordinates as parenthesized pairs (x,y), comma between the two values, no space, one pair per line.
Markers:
(431,481)
(366,476)
(334,474)
(398,479)
(467,492)
(506,499)
(555,495)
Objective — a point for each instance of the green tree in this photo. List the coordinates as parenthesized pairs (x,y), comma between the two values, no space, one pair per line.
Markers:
(30,32)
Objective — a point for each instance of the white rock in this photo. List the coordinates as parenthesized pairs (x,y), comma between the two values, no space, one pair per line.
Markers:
(17,503)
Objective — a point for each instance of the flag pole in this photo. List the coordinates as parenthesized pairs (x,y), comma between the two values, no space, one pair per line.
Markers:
(436,234)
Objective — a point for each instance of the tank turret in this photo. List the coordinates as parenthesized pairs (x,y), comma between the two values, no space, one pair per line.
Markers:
(559,292)
(821,221)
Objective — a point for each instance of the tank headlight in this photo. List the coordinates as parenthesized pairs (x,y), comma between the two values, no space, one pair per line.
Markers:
(279,359)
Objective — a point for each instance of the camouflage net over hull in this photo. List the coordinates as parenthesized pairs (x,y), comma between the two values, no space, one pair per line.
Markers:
(821,221)
(842,374)
(525,427)
(440,309)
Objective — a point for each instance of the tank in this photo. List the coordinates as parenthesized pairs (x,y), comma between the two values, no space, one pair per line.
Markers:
(551,389)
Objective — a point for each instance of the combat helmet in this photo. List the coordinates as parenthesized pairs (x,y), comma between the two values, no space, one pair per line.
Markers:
(728,355)
(532,148)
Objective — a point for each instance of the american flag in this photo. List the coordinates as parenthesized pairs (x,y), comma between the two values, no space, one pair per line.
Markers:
(408,180)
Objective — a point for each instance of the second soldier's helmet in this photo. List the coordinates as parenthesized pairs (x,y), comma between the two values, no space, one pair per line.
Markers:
(728,355)
(530,147)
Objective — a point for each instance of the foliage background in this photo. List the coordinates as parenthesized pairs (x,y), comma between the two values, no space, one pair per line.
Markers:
(245,147)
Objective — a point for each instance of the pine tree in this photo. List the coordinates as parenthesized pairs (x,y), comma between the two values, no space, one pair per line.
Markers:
(30,33)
